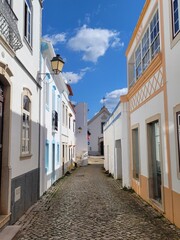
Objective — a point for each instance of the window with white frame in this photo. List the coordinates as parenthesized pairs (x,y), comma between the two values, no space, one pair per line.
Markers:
(145,50)
(148,47)
(178,137)
(28,21)
(138,61)
(175,16)
(26,118)
(154,33)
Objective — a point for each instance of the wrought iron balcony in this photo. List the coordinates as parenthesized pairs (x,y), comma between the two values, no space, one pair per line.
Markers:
(8,26)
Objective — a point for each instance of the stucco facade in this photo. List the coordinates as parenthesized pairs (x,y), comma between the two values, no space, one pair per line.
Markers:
(20,94)
(81,134)
(116,143)
(153,72)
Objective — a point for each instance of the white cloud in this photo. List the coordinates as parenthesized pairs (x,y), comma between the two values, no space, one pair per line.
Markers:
(56,38)
(72,77)
(112,98)
(94,42)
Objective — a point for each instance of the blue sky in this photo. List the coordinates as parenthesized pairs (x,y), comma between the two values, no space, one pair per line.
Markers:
(92,37)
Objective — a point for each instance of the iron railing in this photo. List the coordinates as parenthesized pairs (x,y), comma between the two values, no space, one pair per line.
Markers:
(8,26)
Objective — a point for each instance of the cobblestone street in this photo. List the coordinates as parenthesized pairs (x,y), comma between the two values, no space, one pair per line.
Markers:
(90,205)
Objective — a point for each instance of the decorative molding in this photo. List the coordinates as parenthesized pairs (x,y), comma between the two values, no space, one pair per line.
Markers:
(147,90)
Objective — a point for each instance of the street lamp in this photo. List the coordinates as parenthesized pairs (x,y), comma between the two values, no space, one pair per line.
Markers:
(57,64)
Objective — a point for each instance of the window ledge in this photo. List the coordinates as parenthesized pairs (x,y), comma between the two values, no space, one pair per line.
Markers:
(25,156)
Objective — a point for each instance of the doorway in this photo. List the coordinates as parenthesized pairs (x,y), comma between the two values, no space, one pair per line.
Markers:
(118,159)
(102,148)
(155,171)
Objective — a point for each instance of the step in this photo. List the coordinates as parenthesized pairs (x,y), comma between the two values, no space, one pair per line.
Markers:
(9,232)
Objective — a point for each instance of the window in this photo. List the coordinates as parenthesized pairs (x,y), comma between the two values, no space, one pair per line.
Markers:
(175,16)
(54,120)
(178,137)
(28,21)
(147,49)
(154,33)
(26,114)
(135,146)
(138,61)
(102,124)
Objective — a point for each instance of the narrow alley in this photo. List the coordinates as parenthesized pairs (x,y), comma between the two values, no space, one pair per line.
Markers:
(88,204)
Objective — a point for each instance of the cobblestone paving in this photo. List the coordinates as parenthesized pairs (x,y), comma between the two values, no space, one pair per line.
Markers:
(90,205)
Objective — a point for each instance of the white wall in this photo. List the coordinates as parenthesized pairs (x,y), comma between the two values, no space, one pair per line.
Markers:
(81,136)
(116,133)
(172,57)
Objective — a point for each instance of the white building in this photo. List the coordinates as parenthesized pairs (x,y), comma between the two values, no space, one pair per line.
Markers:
(95,128)
(68,152)
(116,144)
(19,107)
(81,133)
(57,122)
(153,55)
(51,101)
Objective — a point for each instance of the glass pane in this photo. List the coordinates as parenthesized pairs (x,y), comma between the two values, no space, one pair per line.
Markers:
(26,103)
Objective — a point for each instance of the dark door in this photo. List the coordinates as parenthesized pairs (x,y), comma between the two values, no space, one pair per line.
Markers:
(102,148)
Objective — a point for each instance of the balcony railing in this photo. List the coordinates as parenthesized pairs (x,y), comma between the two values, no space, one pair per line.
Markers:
(8,26)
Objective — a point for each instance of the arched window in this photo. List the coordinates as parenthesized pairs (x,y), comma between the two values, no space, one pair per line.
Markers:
(26,120)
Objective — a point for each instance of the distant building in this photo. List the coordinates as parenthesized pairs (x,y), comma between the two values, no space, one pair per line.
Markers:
(81,134)
(95,132)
